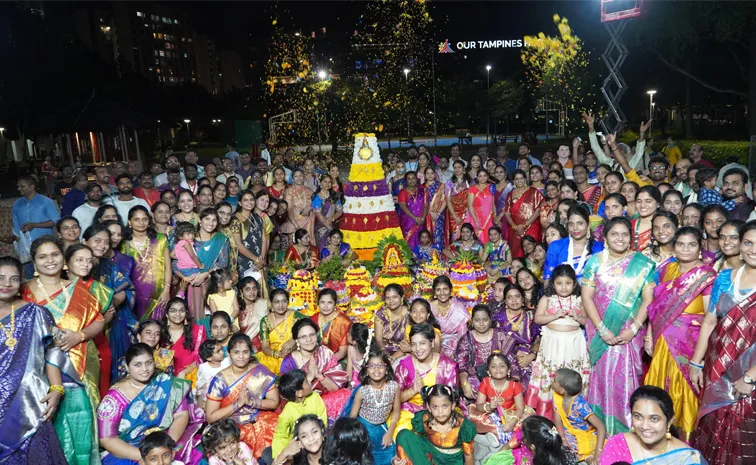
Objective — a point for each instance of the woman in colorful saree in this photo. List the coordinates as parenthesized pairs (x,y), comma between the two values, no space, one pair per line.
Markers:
(435,221)
(245,391)
(299,198)
(275,331)
(451,314)
(252,308)
(278,188)
(650,439)
(327,208)
(675,316)
(724,363)
(335,247)
(323,371)
(211,247)
(496,255)
(423,368)
(413,209)
(522,212)
(575,250)
(437,434)
(548,213)
(225,213)
(114,254)
(391,321)
(729,244)
(647,201)
(334,324)
(79,261)
(503,187)
(517,322)
(480,205)
(475,347)
(152,268)
(616,290)
(467,242)
(302,253)
(32,382)
(123,326)
(247,228)
(78,317)
(144,402)
(184,338)
(663,229)
(456,200)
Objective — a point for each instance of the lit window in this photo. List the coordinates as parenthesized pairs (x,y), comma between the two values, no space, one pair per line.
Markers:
(140,14)
(162,53)
(154,35)
(175,21)
(186,55)
(156,53)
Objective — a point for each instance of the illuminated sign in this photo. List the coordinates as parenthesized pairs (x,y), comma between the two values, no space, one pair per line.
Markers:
(446,47)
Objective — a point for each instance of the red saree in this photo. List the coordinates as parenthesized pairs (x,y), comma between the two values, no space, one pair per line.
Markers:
(457,194)
(593,196)
(305,261)
(521,209)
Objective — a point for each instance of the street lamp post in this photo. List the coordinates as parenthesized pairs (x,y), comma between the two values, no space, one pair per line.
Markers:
(488,102)
(188,132)
(650,104)
(406,85)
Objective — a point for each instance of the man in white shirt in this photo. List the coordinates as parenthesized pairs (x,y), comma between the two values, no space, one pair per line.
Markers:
(228,172)
(445,172)
(171,163)
(456,152)
(85,213)
(125,200)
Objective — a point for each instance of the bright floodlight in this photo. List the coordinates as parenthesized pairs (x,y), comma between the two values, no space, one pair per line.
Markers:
(2,129)
(187,121)
(488,67)
(322,74)
(650,92)
(406,71)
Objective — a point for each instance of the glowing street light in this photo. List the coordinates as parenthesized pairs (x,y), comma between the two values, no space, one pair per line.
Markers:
(188,131)
(322,74)
(406,83)
(650,103)
(488,114)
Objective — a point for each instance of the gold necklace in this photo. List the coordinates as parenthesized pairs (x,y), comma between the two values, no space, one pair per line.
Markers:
(48,299)
(441,306)
(653,459)
(134,385)
(10,341)
(282,334)
(141,247)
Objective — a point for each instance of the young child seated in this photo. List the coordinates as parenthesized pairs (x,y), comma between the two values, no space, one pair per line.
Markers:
(581,429)
(223,445)
(211,353)
(158,449)
(186,258)
(706,178)
(294,387)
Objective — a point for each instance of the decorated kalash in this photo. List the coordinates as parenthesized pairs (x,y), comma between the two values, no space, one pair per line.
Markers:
(369,211)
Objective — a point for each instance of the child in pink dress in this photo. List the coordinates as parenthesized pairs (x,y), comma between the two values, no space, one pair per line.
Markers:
(186,258)
(223,446)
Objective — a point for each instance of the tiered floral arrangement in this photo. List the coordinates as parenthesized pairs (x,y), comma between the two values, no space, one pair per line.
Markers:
(303,292)
(464,275)
(363,305)
(395,259)
(279,274)
(429,271)
(342,294)
(357,277)
(369,212)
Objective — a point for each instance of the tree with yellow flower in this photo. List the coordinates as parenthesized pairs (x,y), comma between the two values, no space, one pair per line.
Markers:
(556,69)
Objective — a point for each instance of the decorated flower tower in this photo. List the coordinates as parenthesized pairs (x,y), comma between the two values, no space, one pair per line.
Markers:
(369,212)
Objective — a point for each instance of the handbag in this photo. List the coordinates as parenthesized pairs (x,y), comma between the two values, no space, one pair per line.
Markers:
(481,370)
(23,247)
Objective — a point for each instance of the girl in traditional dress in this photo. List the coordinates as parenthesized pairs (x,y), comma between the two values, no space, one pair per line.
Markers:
(413,209)
(675,316)
(467,242)
(184,338)
(420,314)
(496,255)
(518,323)
(375,400)
(391,321)
(435,221)
(232,189)
(26,433)
(151,333)
(299,198)
(247,228)
(451,314)
(323,371)
(476,163)
(723,365)
(78,316)
(439,434)
(245,391)
(475,347)
(616,290)
(652,444)
(560,314)
(278,188)
(275,331)
(327,208)
(424,250)
(480,205)
(423,368)
(456,200)
(672,202)
(713,217)
(523,212)
(647,201)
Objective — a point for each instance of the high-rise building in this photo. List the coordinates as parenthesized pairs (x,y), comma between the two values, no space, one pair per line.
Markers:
(208,74)
(232,71)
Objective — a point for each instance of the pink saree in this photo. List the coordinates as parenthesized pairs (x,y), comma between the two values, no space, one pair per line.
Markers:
(453,325)
(483,204)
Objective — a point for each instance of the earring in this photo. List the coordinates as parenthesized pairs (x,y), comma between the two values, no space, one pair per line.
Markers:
(668,436)
(297,345)
(700,255)
(632,429)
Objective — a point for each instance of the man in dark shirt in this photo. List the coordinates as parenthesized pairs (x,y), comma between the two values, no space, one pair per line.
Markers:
(65,184)
(76,196)
(733,188)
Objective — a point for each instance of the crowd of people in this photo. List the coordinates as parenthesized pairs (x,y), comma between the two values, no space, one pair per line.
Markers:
(139,325)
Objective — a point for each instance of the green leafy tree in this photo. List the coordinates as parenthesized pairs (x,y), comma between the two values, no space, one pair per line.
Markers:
(506,97)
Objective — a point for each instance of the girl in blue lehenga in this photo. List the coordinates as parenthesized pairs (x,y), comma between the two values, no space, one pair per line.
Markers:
(374,401)
(144,403)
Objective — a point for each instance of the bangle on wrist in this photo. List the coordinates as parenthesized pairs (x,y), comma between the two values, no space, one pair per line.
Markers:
(83,337)
(57,388)
(696,365)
